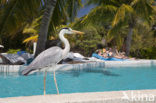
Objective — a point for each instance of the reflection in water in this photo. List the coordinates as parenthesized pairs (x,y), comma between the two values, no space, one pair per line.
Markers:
(77,73)
(104,72)
(11,74)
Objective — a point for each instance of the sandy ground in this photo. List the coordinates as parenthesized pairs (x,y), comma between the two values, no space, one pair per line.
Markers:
(136,96)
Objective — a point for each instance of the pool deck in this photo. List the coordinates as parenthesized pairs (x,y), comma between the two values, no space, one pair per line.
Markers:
(131,96)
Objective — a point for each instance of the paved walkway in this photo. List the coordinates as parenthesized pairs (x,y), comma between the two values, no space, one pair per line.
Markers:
(137,96)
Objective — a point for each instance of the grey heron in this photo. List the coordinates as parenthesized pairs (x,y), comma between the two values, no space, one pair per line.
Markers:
(51,56)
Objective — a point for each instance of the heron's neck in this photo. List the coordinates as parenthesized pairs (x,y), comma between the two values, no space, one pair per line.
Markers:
(66,43)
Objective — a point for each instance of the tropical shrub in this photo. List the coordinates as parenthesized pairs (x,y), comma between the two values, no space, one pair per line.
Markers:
(87,43)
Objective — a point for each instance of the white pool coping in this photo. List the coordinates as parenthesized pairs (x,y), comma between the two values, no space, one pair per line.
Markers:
(62,67)
(131,96)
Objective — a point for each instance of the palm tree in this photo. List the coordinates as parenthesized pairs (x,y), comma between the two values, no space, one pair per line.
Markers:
(131,13)
(64,8)
(50,5)
(16,14)
(120,13)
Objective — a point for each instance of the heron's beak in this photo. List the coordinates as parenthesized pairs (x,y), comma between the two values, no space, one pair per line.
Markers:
(78,32)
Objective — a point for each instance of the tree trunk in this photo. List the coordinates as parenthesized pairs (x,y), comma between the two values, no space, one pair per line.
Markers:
(41,43)
(129,39)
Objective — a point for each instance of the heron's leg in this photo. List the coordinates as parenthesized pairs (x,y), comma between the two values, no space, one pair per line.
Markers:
(56,83)
(45,82)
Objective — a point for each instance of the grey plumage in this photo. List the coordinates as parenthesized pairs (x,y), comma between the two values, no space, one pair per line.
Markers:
(47,58)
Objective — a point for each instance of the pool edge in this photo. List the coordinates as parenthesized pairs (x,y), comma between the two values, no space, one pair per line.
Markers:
(93,97)
(63,67)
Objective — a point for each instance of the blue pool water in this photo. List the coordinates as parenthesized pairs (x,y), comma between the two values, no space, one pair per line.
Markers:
(74,81)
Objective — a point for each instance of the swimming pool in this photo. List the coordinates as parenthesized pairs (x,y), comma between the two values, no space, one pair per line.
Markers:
(79,80)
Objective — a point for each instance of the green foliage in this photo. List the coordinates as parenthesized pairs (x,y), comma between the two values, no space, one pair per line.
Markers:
(126,14)
(100,14)
(13,51)
(123,12)
(65,11)
(143,38)
(109,20)
(144,9)
(87,43)
(23,17)
(15,14)
(148,53)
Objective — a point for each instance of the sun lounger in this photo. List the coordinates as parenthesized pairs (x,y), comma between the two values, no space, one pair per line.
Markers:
(107,59)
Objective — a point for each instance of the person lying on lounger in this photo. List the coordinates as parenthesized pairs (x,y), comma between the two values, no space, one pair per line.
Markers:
(112,53)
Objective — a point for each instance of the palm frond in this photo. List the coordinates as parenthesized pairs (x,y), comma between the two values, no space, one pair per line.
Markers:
(16,13)
(33,27)
(33,38)
(103,2)
(65,11)
(115,30)
(144,9)
(122,13)
(99,14)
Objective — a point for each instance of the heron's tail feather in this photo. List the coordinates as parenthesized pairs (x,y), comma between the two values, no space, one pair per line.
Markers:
(27,71)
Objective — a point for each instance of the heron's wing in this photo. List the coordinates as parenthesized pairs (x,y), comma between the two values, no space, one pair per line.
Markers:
(48,57)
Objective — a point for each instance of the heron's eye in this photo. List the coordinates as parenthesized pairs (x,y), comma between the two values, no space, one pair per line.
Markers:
(65,28)
(69,29)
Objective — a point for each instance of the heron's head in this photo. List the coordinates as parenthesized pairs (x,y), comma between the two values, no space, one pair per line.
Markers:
(70,31)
